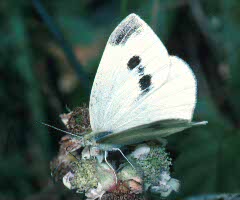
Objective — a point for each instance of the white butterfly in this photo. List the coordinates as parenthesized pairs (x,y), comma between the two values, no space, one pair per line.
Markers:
(140,92)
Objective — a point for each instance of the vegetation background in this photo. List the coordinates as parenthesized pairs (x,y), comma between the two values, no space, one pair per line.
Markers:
(48,61)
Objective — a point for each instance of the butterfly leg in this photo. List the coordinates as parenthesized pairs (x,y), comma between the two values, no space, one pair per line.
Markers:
(117,149)
(105,158)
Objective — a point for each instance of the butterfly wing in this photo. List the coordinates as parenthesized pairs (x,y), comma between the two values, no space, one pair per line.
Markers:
(138,83)
(146,132)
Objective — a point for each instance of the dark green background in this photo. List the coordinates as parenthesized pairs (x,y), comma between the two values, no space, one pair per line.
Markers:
(38,81)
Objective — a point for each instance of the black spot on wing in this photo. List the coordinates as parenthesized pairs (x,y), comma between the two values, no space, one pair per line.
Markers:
(125,30)
(145,82)
(133,62)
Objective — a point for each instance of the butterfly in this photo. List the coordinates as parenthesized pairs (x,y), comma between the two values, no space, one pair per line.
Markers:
(140,92)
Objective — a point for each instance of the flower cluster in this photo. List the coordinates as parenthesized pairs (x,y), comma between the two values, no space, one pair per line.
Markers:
(146,168)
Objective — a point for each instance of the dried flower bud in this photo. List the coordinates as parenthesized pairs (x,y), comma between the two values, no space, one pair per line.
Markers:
(174,184)
(79,121)
(129,173)
(67,180)
(86,153)
(120,188)
(141,152)
(114,196)
(131,179)
(84,175)
(95,193)
(106,176)
(135,187)
(69,144)
(65,118)
(166,187)
(153,165)
(61,164)
(91,177)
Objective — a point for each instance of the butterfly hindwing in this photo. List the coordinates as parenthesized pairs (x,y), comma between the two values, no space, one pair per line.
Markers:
(175,99)
(145,132)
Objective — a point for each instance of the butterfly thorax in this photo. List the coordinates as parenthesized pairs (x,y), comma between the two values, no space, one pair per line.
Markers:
(92,140)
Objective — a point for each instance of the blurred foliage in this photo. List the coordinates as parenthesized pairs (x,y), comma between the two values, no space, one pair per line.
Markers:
(38,80)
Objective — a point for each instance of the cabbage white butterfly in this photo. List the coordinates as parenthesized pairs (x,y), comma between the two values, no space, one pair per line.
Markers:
(140,92)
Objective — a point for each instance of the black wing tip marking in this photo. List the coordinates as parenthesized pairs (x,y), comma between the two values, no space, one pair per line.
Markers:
(125,30)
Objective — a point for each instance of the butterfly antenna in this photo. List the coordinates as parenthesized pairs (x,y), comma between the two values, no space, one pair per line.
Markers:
(117,149)
(105,158)
(58,129)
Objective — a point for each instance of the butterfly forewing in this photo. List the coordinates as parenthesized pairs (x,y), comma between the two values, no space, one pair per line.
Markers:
(124,78)
(138,83)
